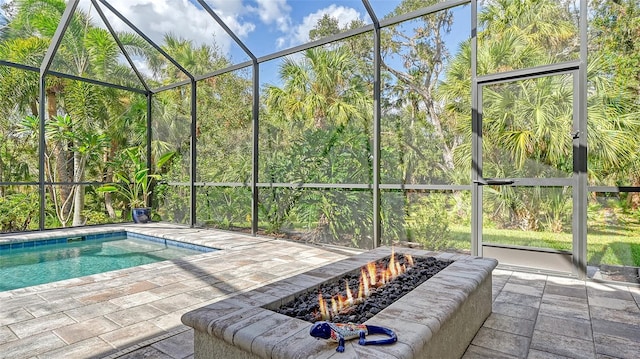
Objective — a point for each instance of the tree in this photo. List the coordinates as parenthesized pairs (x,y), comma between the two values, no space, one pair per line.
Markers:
(422,54)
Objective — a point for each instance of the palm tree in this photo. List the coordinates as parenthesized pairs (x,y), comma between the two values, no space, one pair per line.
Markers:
(321,90)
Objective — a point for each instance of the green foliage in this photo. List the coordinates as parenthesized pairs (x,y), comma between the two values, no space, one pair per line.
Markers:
(135,183)
(428,222)
(226,208)
(18,212)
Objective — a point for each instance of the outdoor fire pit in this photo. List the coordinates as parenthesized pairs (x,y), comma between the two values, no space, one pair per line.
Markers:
(436,319)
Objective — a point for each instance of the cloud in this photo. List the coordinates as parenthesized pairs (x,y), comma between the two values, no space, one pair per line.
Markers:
(299,34)
(182,18)
(275,11)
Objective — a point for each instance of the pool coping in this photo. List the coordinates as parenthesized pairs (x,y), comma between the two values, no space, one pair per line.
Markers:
(26,243)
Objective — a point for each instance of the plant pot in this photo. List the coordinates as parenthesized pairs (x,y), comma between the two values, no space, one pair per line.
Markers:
(141,215)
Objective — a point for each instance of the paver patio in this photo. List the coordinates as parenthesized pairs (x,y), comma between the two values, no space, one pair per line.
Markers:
(135,312)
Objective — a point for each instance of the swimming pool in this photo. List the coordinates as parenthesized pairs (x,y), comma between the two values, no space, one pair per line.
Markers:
(24,264)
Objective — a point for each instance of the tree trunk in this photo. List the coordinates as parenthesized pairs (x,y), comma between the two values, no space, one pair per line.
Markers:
(61,158)
(78,201)
(108,177)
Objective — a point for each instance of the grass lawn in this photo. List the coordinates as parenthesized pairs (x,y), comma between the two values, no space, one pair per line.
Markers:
(606,244)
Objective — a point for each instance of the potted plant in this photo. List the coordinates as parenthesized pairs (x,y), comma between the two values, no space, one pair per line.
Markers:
(136,184)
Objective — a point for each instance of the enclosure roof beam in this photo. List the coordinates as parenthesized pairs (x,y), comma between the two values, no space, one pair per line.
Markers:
(225,70)
(320,42)
(204,77)
(19,66)
(71,77)
(372,13)
(227,29)
(95,82)
(422,12)
(171,86)
(120,45)
(57,36)
(142,34)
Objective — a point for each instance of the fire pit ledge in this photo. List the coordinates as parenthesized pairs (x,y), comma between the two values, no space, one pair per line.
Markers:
(438,319)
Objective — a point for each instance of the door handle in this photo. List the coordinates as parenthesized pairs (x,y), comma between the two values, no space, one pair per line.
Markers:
(495,181)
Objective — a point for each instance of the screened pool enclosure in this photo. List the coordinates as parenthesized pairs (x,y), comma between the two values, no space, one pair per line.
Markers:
(503,128)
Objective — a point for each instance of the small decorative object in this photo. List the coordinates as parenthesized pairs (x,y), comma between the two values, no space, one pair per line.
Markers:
(339,332)
(141,215)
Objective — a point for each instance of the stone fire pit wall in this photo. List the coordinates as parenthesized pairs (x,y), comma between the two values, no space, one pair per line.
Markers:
(438,319)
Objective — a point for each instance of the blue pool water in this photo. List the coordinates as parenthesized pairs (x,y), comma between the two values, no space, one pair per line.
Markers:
(31,263)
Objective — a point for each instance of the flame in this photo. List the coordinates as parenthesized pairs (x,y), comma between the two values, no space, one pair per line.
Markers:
(392,265)
(371,269)
(409,259)
(371,276)
(324,311)
(349,294)
(334,305)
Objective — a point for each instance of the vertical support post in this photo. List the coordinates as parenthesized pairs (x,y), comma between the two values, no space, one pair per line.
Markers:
(377,61)
(377,225)
(149,133)
(41,151)
(580,192)
(256,132)
(44,68)
(476,140)
(194,141)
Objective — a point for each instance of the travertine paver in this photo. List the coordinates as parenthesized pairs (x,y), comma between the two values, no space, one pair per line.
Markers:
(617,329)
(515,310)
(615,315)
(177,346)
(91,311)
(503,342)
(620,304)
(134,315)
(80,350)
(10,316)
(509,324)
(521,299)
(52,307)
(31,346)
(147,352)
(537,354)
(561,308)
(85,330)
(476,352)
(617,347)
(6,335)
(42,324)
(131,334)
(575,328)
(562,345)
